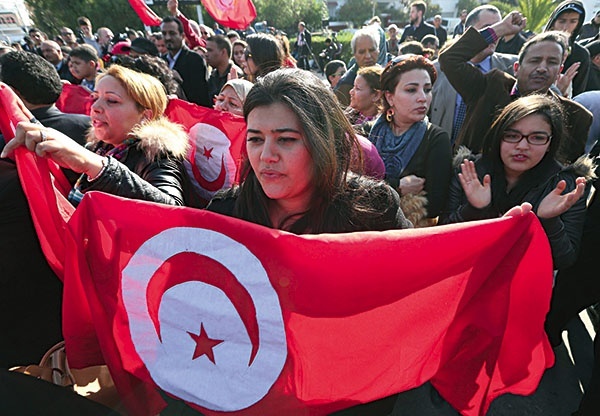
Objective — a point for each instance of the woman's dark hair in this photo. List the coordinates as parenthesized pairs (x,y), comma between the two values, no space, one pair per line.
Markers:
(329,139)
(151,65)
(267,53)
(398,66)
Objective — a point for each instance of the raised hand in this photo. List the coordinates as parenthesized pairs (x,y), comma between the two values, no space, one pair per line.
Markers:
(513,23)
(478,194)
(554,204)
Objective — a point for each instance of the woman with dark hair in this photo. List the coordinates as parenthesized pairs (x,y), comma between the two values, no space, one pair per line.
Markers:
(365,99)
(238,47)
(518,165)
(263,54)
(417,154)
(297,175)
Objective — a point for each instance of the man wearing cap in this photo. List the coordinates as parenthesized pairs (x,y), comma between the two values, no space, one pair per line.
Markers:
(594,77)
(393,41)
(591,28)
(142,46)
(218,56)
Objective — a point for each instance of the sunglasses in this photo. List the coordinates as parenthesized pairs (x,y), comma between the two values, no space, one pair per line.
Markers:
(247,54)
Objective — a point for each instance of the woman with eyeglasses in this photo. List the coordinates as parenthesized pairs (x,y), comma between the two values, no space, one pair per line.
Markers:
(417,154)
(263,54)
(334,71)
(518,165)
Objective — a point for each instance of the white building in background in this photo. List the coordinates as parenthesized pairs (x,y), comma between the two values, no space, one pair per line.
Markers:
(14,20)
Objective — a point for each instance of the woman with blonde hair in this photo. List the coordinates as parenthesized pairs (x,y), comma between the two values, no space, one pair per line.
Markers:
(133,151)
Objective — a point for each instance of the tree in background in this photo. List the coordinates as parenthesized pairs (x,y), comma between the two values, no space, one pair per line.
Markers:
(50,15)
(468,5)
(537,12)
(311,12)
(356,11)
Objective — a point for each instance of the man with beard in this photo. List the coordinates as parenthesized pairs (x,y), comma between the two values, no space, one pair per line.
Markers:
(188,64)
(418,27)
(537,68)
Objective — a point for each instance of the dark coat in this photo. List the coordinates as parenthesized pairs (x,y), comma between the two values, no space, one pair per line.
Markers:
(564,232)
(30,292)
(485,94)
(151,171)
(417,33)
(192,69)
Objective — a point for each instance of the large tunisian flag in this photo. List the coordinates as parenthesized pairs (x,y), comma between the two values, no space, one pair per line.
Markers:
(230,316)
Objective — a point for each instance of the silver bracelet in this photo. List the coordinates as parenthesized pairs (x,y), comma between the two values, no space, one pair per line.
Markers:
(104,165)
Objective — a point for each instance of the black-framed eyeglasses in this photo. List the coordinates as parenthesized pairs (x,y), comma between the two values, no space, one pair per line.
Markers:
(536,138)
(247,53)
(339,74)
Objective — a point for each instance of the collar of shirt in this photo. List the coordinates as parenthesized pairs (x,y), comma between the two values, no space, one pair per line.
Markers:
(485,66)
(514,93)
(173,60)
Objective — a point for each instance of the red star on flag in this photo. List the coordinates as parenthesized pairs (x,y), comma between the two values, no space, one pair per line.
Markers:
(204,344)
(208,152)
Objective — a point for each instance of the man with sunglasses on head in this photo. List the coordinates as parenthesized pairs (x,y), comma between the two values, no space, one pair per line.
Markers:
(537,69)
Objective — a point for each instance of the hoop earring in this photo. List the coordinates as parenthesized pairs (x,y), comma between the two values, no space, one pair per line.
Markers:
(389,115)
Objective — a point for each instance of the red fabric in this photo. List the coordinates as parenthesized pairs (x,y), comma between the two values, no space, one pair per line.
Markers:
(145,13)
(75,99)
(43,182)
(217,140)
(340,319)
(192,38)
(235,14)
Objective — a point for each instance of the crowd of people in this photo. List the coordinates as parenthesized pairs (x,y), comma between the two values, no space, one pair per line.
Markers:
(419,129)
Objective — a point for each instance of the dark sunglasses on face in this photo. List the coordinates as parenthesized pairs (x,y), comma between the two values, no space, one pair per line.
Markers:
(247,54)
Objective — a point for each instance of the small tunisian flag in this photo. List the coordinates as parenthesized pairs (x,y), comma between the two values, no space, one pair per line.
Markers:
(74,99)
(145,13)
(235,14)
(232,317)
(216,142)
(43,182)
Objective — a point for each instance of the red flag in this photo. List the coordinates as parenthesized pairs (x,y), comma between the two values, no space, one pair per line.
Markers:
(145,13)
(75,99)
(235,14)
(233,317)
(43,182)
(217,139)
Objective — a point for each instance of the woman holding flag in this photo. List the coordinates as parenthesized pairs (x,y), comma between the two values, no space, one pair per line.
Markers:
(133,151)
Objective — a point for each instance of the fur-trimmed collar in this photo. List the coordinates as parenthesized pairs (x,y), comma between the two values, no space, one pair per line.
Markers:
(157,137)
(585,165)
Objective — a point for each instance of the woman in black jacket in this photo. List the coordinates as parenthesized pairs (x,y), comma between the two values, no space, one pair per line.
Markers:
(518,165)
(133,151)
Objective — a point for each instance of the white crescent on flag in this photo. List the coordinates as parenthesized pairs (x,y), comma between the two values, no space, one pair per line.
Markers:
(210,165)
(197,347)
